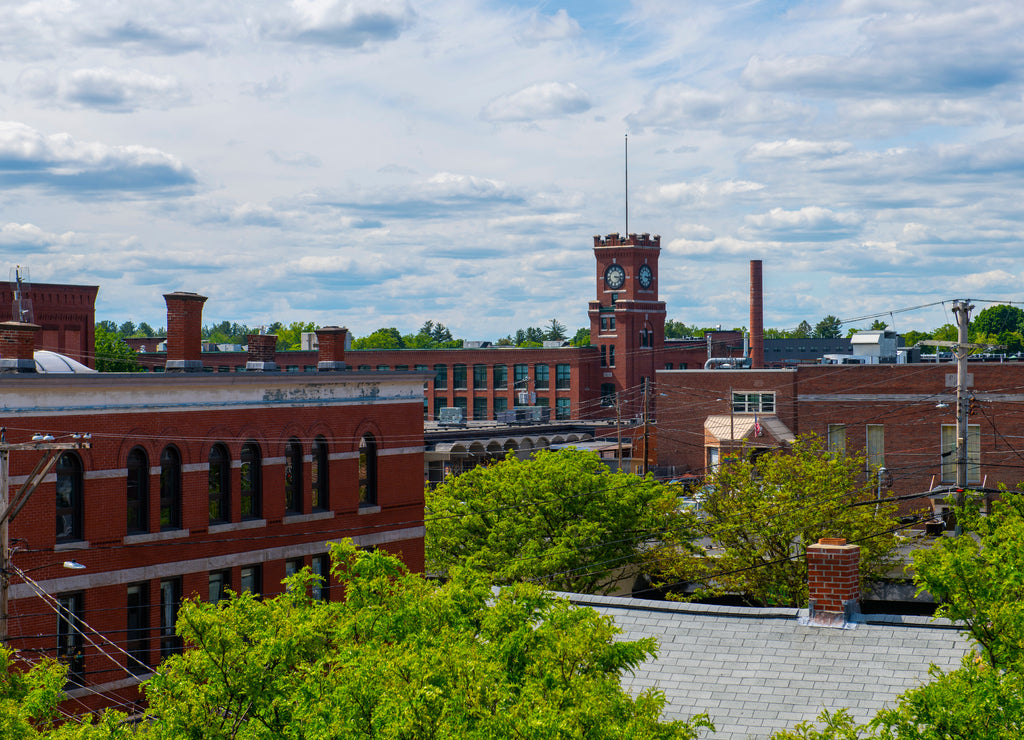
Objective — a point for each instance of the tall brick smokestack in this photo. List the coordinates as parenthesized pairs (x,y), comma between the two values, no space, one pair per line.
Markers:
(184,332)
(756,315)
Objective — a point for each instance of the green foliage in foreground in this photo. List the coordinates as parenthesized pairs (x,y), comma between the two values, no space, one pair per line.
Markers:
(400,658)
(562,519)
(979,581)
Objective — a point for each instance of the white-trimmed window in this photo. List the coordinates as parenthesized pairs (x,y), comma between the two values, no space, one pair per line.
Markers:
(837,438)
(744,402)
(948,453)
(874,449)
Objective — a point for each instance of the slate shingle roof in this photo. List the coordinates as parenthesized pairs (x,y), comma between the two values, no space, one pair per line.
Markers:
(760,670)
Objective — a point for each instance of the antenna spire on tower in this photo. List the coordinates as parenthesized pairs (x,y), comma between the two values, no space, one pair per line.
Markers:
(627,184)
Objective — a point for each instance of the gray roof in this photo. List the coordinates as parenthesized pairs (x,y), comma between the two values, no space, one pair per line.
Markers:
(756,671)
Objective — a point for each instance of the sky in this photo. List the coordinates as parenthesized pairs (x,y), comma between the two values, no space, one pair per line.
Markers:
(378,163)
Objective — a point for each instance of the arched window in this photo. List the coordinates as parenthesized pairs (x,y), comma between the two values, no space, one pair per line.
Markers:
(320,475)
(69,497)
(138,491)
(251,492)
(170,488)
(367,471)
(293,477)
(220,484)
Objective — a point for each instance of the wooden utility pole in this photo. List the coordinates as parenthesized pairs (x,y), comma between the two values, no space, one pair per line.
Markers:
(11,505)
(647,429)
(962,311)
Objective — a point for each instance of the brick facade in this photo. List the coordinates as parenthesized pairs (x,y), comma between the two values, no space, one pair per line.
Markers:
(197,479)
(905,409)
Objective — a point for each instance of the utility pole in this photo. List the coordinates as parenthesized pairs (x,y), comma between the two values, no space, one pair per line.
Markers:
(647,429)
(962,311)
(11,505)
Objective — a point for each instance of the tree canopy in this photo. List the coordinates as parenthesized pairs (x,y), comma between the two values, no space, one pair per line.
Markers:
(400,658)
(829,327)
(760,516)
(113,355)
(561,519)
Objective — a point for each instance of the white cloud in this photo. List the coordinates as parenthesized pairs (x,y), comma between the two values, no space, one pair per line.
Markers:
(811,223)
(59,161)
(536,102)
(797,148)
(345,24)
(544,28)
(695,192)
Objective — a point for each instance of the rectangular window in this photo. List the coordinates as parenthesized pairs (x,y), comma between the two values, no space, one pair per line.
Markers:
(543,401)
(383,368)
(251,580)
(522,374)
(480,377)
(542,377)
(604,323)
(291,567)
(137,635)
(170,600)
(604,356)
(563,408)
(501,376)
(70,641)
(611,355)
(461,403)
(874,450)
(563,375)
(440,377)
(439,403)
(753,403)
(837,438)
(365,368)
(948,453)
(422,369)
(500,404)
(401,368)
(479,408)
(459,377)
(607,394)
(668,365)
(611,323)
(320,568)
(220,582)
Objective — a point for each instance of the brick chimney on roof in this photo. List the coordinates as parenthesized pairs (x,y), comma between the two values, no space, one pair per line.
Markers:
(184,332)
(833,578)
(262,353)
(332,348)
(18,346)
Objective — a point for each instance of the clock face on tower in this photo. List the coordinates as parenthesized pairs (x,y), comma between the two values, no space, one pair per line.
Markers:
(646,276)
(614,276)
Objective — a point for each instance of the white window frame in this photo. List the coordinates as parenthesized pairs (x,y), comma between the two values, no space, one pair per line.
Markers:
(947,443)
(753,402)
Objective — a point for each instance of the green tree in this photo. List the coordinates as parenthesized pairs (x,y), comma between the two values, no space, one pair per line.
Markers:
(802,331)
(107,325)
(555,331)
(997,319)
(678,330)
(127,328)
(581,338)
(144,330)
(562,519)
(113,355)
(290,337)
(829,327)
(878,325)
(978,581)
(28,699)
(913,336)
(380,339)
(760,516)
(400,657)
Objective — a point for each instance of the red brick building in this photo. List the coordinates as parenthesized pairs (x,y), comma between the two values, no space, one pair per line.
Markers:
(627,334)
(195,483)
(65,313)
(901,417)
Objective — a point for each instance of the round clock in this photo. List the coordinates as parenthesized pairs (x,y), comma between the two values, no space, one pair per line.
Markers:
(614,277)
(646,276)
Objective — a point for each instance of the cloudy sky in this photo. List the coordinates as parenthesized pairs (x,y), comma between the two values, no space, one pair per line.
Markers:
(383,162)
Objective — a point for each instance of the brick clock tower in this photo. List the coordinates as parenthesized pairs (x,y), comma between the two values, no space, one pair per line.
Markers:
(627,321)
